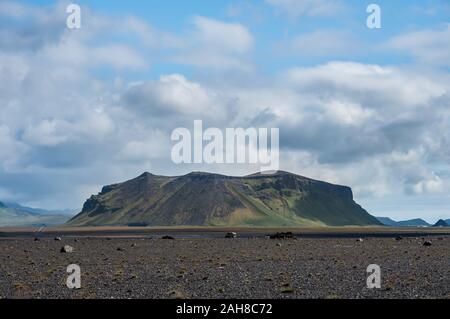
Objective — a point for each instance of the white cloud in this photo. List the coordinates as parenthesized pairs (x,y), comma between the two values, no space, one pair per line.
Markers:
(382,130)
(372,127)
(348,113)
(174,95)
(298,8)
(385,86)
(427,46)
(217,45)
(428,186)
(148,149)
(11,149)
(231,37)
(46,133)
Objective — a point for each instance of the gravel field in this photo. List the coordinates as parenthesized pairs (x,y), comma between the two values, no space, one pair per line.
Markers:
(225,268)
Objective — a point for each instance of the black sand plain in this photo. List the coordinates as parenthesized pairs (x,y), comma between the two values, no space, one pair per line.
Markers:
(201,263)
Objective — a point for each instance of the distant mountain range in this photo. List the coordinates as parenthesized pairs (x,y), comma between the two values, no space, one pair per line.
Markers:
(203,199)
(412,222)
(15,215)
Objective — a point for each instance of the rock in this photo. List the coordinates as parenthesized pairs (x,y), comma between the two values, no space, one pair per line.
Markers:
(286,235)
(67,249)
(167,237)
(398,238)
(278,244)
(36,239)
(427,243)
(58,239)
(231,235)
(360,240)
(120,249)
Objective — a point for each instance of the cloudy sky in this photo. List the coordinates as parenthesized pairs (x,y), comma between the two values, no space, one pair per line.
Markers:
(81,108)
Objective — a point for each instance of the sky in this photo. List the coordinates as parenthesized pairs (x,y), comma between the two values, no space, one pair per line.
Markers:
(367,108)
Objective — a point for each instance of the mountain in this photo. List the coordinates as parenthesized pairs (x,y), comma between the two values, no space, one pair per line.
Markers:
(203,199)
(18,216)
(387,221)
(441,223)
(418,222)
(404,223)
(447,221)
(40,211)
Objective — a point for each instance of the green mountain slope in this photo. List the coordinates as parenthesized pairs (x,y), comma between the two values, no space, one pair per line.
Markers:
(203,199)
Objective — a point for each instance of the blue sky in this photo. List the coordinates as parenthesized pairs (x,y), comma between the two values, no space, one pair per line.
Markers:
(355,106)
(270,26)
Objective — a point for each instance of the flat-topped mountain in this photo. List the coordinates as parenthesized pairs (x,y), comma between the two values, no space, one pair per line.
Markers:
(204,199)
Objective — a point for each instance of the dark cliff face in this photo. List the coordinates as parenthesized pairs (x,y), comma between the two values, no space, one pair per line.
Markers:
(204,199)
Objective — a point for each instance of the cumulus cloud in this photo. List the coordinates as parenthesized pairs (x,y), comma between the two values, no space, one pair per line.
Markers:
(65,129)
(174,95)
(368,126)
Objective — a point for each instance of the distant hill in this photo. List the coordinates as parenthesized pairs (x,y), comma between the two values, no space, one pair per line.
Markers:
(418,222)
(40,211)
(18,216)
(441,223)
(203,199)
(387,221)
(404,223)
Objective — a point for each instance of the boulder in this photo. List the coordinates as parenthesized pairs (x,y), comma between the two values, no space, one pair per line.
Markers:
(231,235)
(67,249)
